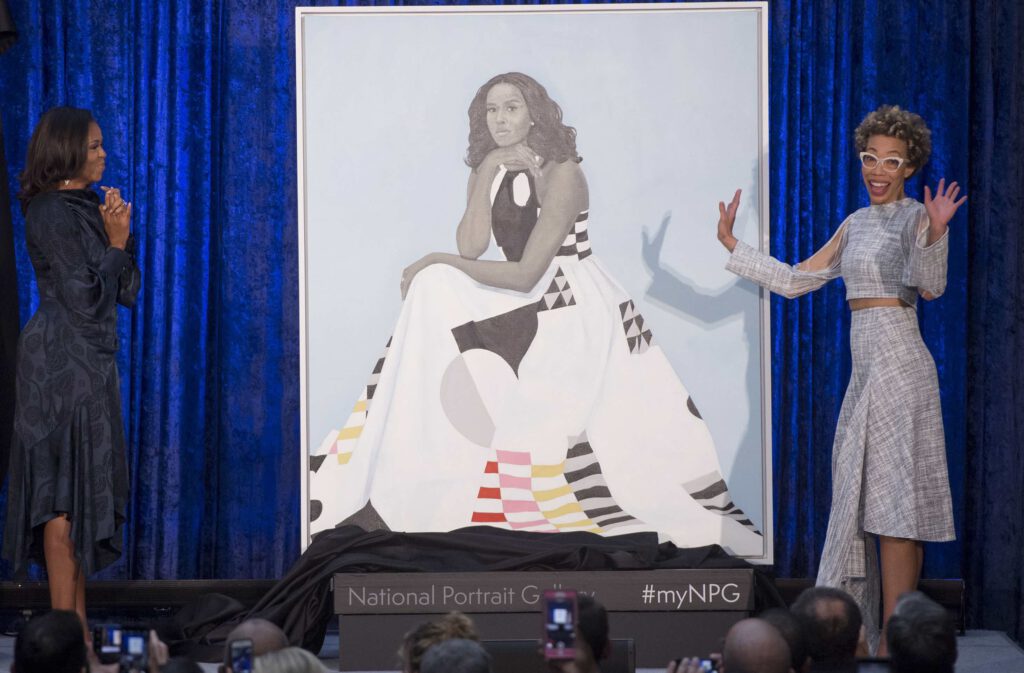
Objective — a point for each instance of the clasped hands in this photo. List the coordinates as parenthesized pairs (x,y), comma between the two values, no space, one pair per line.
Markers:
(518,157)
(117,215)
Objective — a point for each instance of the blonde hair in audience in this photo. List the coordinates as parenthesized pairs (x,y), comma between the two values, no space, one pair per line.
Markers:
(420,639)
(288,660)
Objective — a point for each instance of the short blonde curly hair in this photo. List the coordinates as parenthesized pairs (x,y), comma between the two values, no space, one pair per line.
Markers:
(415,643)
(894,121)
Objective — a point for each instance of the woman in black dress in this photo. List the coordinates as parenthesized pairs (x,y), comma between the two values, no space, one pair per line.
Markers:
(69,476)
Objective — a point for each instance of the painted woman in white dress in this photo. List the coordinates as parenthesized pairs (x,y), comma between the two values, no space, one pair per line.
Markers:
(526,393)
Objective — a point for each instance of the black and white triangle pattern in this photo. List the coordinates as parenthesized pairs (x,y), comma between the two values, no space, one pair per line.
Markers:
(712,494)
(637,338)
(558,294)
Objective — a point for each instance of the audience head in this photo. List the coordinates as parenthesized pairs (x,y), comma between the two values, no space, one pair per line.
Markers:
(420,639)
(288,660)
(831,624)
(50,643)
(921,636)
(592,644)
(266,637)
(788,626)
(456,655)
(755,646)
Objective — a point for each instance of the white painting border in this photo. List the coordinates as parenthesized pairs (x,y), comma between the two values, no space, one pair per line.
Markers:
(759,9)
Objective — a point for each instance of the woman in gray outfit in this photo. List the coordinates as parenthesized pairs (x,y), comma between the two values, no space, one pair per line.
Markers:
(889,476)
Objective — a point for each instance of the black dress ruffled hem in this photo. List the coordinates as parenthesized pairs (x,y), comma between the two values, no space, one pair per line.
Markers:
(72,472)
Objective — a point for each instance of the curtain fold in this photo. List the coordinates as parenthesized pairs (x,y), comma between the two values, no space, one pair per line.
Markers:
(197,105)
(993,530)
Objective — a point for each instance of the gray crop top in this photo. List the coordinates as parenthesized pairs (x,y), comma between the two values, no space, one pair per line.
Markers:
(879,251)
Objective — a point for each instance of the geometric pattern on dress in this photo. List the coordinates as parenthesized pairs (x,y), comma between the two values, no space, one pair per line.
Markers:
(637,338)
(693,408)
(342,442)
(571,495)
(712,493)
(509,335)
(583,474)
(577,243)
(558,294)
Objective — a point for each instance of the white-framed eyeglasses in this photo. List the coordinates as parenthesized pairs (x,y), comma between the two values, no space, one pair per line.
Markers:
(889,164)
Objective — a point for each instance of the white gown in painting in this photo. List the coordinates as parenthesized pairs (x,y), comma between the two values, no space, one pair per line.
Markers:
(552,410)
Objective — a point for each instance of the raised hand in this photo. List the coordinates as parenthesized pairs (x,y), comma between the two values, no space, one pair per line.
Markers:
(726,220)
(943,206)
(117,216)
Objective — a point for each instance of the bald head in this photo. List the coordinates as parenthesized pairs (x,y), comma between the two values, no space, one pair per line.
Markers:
(266,637)
(755,646)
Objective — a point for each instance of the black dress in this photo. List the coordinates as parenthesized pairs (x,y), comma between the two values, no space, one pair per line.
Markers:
(68,452)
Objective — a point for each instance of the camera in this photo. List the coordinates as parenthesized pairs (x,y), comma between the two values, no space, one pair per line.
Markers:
(241,655)
(127,647)
(559,625)
(706,664)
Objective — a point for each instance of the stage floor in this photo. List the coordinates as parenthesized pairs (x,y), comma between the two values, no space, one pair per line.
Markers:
(980,652)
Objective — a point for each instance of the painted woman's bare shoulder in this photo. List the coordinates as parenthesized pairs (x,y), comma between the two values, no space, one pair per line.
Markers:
(565,174)
(564,169)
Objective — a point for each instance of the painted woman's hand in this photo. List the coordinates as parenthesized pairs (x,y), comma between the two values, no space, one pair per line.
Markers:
(726,220)
(410,271)
(518,157)
(942,207)
(117,216)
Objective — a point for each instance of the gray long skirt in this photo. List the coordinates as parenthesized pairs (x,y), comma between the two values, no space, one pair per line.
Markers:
(889,458)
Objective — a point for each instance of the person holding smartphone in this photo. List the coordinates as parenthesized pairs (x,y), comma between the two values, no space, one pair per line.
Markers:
(69,475)
(591,643)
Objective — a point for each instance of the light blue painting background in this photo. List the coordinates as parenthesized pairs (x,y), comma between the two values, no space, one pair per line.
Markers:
(666,108)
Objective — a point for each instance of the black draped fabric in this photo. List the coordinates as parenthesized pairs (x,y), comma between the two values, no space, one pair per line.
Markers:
(68,453)
(301,602)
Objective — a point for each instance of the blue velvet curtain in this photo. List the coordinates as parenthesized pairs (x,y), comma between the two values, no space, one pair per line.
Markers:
(196,101)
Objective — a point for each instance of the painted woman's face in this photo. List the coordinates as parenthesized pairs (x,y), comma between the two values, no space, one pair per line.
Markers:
(884,184)
(508,118)
(95,156)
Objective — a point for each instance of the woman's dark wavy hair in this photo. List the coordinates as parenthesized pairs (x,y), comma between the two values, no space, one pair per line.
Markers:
(548,136)
(57,151)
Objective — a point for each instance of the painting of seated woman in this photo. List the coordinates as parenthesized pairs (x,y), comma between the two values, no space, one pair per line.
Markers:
(528,392)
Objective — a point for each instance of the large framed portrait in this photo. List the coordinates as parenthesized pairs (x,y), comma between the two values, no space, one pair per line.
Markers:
(515,311)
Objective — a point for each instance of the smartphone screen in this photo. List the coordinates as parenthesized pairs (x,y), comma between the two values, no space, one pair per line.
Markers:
(134,649)
(106,642)
(241,655)
(559,624)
